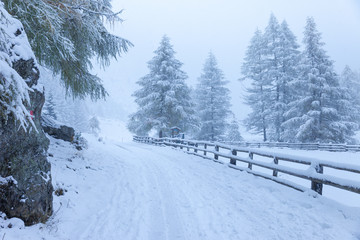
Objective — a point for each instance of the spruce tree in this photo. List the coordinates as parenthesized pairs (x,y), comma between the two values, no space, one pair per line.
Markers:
(65,35)
(350,83)
(272,63)
(164,98)
(233,133)
(280,61)
(213,102)
(289,57)
(50,106)
(318,114)
(259,94)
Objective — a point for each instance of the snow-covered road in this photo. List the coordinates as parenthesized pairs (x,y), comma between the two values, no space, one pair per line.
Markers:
(137,191)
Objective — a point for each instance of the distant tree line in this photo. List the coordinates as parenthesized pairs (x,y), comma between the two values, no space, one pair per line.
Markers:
(295,96)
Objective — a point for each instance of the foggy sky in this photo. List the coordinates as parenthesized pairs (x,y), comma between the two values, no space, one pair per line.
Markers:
(224,27)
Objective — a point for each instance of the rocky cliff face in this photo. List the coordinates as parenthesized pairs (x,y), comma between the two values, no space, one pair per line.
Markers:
(25,180)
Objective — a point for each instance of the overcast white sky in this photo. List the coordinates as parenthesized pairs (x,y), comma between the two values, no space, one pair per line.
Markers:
(225,27)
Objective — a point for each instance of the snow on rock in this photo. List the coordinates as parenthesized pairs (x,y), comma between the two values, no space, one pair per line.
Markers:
(57,129)
(14,47)
(23,145)
(118,190)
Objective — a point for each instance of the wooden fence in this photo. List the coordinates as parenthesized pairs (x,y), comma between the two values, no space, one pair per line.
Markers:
(304,146)
(255,157)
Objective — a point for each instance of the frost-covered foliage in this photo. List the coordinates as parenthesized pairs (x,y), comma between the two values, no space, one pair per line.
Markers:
(68,111)
(350,82)
(296,96)
(49,107)
(213,102)
(320,110)
(281,59)
(65,35)
(254,68)
(164,98)
(14,92)
(270,63)
(233,133)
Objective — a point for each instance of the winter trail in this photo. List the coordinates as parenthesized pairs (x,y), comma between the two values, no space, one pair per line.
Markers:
(162,193)
(133,191)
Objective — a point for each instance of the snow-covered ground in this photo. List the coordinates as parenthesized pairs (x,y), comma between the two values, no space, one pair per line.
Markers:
(116,190)
(353,158)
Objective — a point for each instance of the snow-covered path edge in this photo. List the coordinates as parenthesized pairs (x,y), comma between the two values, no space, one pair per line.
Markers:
(136,191)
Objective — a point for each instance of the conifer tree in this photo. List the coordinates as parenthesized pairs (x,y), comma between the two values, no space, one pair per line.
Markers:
(233,133)
(280,61)
(259,94)
(213,101)
(318,114)
(350,83)
(272,63)
(65,35)
(164,98)
(288,57)
(50,106)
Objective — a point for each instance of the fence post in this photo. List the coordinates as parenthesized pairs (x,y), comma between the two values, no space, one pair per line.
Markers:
(316,186)
(251,156)
(181,143)
(232,160)
(188,148)
(216,150)
(205,147)
(196,145)
(276,161)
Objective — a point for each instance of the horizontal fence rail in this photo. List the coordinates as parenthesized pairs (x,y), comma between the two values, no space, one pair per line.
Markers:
(302,146)
(314,171)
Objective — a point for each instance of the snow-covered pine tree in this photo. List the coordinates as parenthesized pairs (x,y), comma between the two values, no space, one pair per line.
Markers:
(65,35)
(318,114)
(272,61)
(213,102)
(233,133)
(288,59)
(164,98)
(350,82)
(259,94)
(50,106)
(280,60)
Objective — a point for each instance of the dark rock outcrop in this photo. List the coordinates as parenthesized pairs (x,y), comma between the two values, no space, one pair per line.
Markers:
(25,179)
(56,129)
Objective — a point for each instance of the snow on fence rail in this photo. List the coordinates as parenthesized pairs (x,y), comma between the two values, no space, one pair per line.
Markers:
(313,173)
(304,146)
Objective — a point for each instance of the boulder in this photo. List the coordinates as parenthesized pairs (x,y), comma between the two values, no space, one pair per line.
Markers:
(25,179)
(56,129)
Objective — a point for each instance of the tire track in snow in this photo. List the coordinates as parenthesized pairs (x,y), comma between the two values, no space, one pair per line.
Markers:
(163,215)
(119,216)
